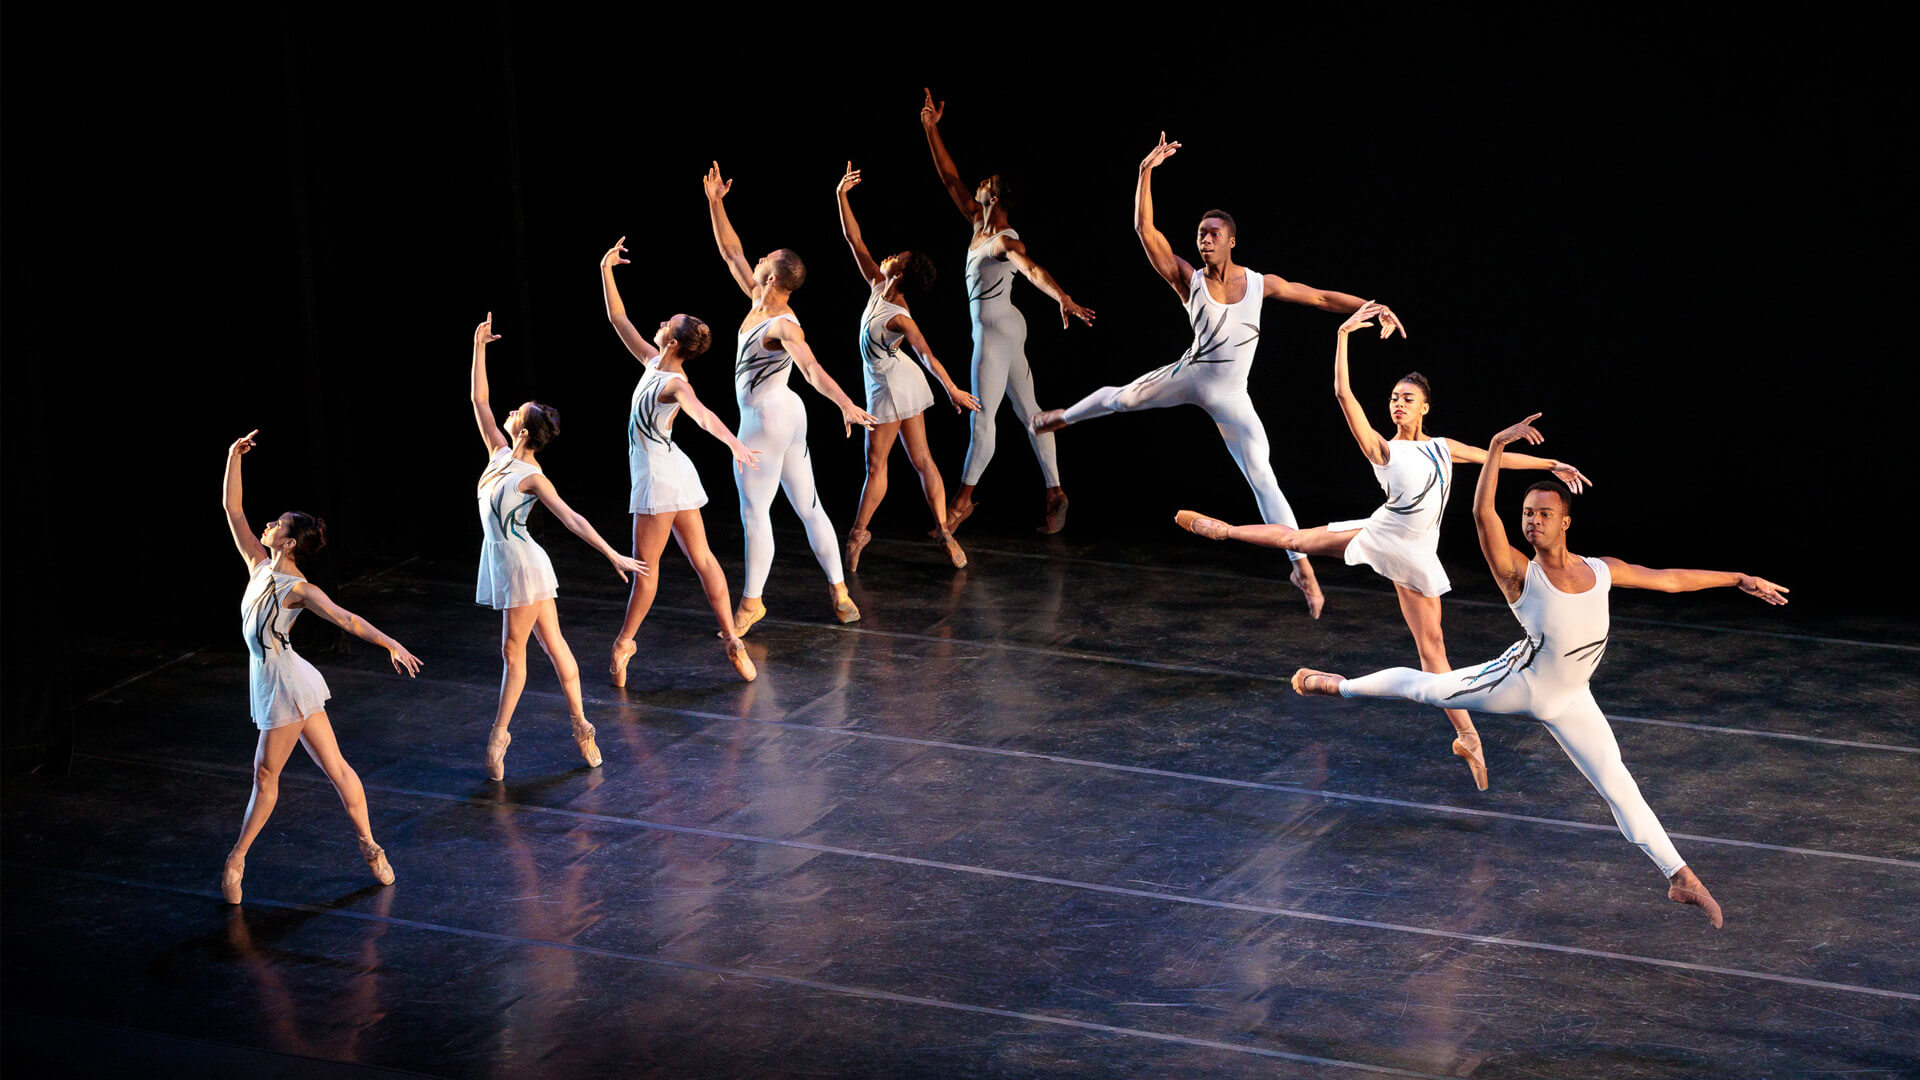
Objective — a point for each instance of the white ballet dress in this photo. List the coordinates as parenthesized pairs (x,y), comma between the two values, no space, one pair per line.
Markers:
(661,475)
(1401,540)
(514,571)
(896,389)
(284,688)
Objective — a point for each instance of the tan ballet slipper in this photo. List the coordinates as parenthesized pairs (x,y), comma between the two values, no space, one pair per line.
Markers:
(376,858)
(583,733)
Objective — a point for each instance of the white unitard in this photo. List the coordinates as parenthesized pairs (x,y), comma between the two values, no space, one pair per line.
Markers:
(895,388)
(1544,676)
(1212,374)
(1402,539)
(1000,366)
(773,420)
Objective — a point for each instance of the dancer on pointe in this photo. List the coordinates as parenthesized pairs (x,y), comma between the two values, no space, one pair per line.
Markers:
(897,394)
(1223,302)
(773,420)
(665,495)
(1000,366)
(288,696)
(1401,540)
(1561,601)
(516,577)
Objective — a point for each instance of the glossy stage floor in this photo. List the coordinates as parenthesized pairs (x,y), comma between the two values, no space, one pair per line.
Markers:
(1057,815)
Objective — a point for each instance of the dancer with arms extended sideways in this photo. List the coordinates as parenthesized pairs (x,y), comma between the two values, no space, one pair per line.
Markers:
(288,696)
(897,394)
(994,254)
(665,494)
(1402,539)
(516,577)
(773,419)
(1561,601)
(1223,302)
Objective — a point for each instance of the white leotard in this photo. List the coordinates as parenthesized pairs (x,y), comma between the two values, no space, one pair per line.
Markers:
(773,420)
(1545,675)
(1000,367)
(282,687)
(1401,540)
(895,387)
(514,571)
(662,478)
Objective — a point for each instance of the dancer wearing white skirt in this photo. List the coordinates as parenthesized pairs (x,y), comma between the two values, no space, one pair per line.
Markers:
(666,494)
(1401,540)
(1561,601)
(287,697)
(516,577)
(897,394)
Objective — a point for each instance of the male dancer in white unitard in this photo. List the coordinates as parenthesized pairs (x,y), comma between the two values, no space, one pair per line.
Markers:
(1223,302)
(1561,601)
(1000,367)
(773,420)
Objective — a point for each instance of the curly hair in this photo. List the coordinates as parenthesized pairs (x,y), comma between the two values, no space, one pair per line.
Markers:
(918,274)
(309,531)
(542,425)
(691,335)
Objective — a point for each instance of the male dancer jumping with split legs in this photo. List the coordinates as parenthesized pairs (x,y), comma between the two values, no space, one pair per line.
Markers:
(1561,601)
(1223,302)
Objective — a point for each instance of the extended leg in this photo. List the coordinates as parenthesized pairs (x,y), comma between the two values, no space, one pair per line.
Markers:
(650,532)
(796,480)
(546,627)
(1423,618)
(317,736)
(690,532)
(913,433)
(515,626)
(880,440)
(270,755)
(1246,439)
(1319,540)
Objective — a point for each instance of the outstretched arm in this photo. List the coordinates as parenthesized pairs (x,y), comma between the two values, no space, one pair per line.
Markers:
(1575,480)
(850,228)
(916,341)
(1275,287)
(1372,444)
(251,549)
(1630,576)
(1015,251)
(1177,271)
(305,594)
(543,488)
(635,341)
(490,432)
(1508,565)
(724,237)
(793,339)
(963,200)
(680,392)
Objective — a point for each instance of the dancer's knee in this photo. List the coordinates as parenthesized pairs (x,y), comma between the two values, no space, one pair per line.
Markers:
(266,780)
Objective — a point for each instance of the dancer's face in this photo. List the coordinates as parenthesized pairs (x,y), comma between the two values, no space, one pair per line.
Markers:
(664,334)
(277,533)
(1544,521)
(517,420)
(1215,241)
(1407,405)
(763,270)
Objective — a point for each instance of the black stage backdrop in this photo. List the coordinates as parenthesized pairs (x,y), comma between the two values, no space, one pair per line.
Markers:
(1690,252)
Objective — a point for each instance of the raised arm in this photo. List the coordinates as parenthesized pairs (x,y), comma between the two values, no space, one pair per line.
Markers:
(793,339)
(305,594)
(963,199)
(1508,565)
(850,228)
(724,237)
(1630,576)
(543,489)
(680,392)
(916,341)
(635,341)
(251,549)
(1372,444)
(1177,271)
(1015,251)
(1575,480)
(490,432)
(1275,287)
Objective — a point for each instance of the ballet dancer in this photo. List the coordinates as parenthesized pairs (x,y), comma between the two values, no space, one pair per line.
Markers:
(1561,601)
(666,495)
(773,420)
(1401,540)
(516,577)
(1223,302)
(994,254)
(897,394)
(288,697)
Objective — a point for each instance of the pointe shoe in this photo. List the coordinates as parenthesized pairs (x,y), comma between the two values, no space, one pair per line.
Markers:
(857,539)
(497,754)
(955,515)
(1049,420)
(617,669)
(230,878)
(1056,515)
(1474,755)
(1201,525)
(737,654)
(744,616)
(376,860)
(843,606)
(1309,587)
(945,537)
(1684,888)
(1308,682)
(583,733)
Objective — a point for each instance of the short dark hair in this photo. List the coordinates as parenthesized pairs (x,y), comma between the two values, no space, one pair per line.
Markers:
(1414,378)
(919,273)
(789,272)
(692,336)
(309,531)
(1233,227)
(1558,488)
(999,187)
(542,425)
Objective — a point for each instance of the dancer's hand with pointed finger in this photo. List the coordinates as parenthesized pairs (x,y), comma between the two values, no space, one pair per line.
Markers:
(716,188)
(745,456)
(1522,430)
(848,182)
(1575,480)
(404,662)
(622,564)
(1389,322)
(1069,309)
(612,257)
(851,414)
(483,334)
(930,113)
(1161,152)
(1764,589)
(242,444)
(1362,318)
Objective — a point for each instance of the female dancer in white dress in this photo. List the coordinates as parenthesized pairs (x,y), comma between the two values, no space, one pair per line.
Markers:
(516,577)
(666,495)
(1402,539)
(897,394)
(773,420)
(288,696)
(999,330)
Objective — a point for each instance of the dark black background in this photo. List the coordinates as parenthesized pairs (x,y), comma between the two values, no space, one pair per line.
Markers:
(1687,247)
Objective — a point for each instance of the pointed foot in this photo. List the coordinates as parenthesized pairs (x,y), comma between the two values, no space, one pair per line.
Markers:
(1309,586)
(1308,682)
(1685,888)
(1466,746)
(750,611)
(737,656)
(583,733)
(376,857)
(230,878)
(497,754)
(1201,525)
(623,651)
(857,540)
